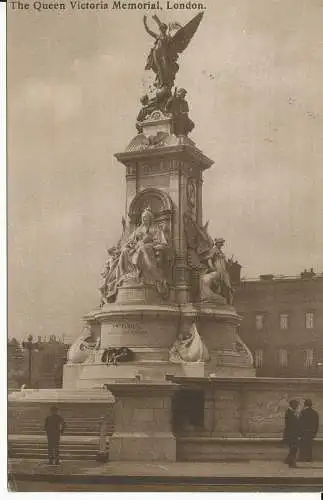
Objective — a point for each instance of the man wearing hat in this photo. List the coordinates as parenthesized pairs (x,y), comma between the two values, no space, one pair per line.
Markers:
(308,426)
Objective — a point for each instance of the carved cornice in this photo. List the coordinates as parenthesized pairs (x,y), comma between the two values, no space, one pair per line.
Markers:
(157,166)
(186,153)
(135,389)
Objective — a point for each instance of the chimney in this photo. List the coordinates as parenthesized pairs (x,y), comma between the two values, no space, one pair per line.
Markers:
(308,274)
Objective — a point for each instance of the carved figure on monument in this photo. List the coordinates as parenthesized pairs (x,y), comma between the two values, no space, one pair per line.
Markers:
(162,59)
(241,347)
(189,347)
(198,241)
(107,276)
(206,258)
(147,107)
(83,346)
(178,107)
(92,351)
(139,258)
(215,279)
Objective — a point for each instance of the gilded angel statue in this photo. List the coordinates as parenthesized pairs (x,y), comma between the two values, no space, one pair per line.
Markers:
(162,59)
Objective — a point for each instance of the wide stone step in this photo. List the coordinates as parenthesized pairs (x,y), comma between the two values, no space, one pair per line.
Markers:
(26,448)
(43,446)
(63,456)
(34,432)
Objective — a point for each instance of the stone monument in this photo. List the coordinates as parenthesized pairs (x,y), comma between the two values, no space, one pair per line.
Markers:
(164,339)
(166,294)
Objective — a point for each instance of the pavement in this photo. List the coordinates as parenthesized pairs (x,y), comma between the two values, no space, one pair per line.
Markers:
(129,476)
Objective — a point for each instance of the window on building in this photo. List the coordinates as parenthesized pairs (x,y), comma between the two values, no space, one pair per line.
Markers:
(283,321)
(258,358)
(283,358)
(259,321)
(309,320)
(309,358)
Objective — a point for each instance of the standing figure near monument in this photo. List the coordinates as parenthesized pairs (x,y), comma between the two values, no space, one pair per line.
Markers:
(291,432)
(215,280)
(54,427)
(308,427)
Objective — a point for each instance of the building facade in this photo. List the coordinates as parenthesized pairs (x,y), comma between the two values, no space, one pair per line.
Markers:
(282,323)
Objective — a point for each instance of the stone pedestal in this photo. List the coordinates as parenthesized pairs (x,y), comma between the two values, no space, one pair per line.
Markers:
(143,422)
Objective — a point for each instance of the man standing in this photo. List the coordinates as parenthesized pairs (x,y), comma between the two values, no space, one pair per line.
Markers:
(291,432)
(308,425)
(54,427)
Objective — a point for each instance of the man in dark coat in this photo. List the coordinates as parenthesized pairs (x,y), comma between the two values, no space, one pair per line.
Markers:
(308,425)
(291,432)
(54,427)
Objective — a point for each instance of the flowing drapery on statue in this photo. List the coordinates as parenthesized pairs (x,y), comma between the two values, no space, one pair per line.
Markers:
(139,257)
(189,348)
(207,258)
(215,280)
(84,347)
(163,56)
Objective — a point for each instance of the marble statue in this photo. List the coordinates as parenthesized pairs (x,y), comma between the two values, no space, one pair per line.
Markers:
(138,257)
(189,347)
(108,276)
(215,279)
(83,347)
(206,257)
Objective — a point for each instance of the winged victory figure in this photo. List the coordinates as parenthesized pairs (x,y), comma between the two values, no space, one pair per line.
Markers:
(162,59)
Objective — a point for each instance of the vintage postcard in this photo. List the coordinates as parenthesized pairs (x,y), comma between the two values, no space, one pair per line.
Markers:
(165,264)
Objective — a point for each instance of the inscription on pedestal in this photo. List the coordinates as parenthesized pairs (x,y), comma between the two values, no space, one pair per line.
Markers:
(120,327)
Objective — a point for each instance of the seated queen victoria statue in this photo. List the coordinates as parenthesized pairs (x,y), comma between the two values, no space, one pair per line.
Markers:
(142,257)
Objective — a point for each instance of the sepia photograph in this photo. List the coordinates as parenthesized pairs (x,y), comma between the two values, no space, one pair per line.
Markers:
(164,246)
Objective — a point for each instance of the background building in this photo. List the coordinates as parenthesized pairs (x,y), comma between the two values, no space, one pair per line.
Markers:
(283,323)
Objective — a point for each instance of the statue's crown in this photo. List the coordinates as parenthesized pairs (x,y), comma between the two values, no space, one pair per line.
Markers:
(147,211)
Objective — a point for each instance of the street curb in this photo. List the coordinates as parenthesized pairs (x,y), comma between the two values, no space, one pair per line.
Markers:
(270,481)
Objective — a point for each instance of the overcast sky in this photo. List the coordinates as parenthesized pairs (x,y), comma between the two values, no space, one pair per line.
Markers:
(254,78)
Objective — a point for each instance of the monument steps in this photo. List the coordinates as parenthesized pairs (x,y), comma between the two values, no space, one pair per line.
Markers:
(22,447)
(87,426)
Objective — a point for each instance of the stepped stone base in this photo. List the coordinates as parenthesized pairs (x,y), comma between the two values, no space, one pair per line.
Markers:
(141,447)
(82,410)
(71,448)
(143,419)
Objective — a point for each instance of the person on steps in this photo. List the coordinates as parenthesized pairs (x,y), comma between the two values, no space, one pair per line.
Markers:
(54,427)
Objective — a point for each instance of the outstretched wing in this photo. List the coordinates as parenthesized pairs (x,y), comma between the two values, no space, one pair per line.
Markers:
(182,37)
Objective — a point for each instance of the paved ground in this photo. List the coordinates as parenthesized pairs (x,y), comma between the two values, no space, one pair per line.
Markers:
(35,475)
